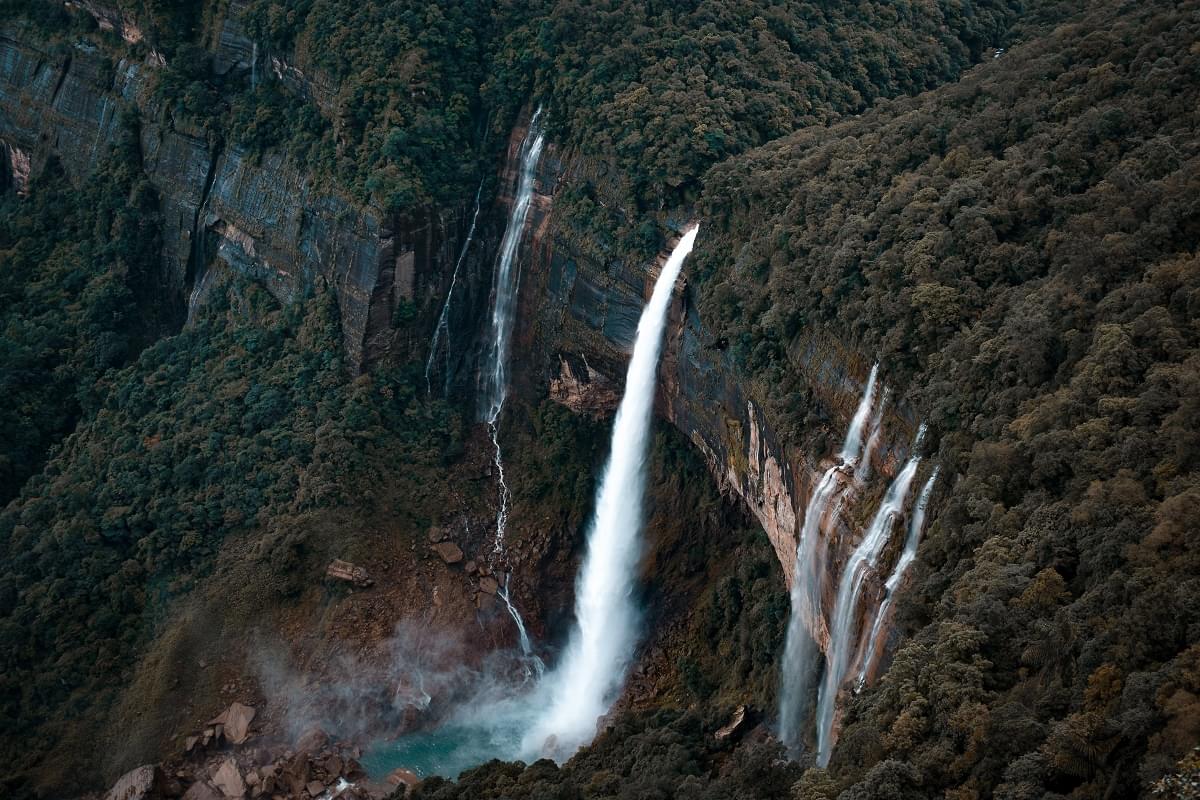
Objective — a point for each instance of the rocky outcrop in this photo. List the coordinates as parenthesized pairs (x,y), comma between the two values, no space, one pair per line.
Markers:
(582,389)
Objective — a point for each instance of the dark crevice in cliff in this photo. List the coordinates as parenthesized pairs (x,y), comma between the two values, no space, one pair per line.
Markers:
(197,255)
(62,78)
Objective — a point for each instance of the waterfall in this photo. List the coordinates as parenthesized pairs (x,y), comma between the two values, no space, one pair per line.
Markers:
(800,651)
(442,329)
(842,636)
(506,280)
(864,463)
(915,526)
(531,658)
(505,283)
(196,294)
(589,678)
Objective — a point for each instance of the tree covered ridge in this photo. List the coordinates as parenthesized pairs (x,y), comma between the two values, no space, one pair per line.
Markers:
(1020,250)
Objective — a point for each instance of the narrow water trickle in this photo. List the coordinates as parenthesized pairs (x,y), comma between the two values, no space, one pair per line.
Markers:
(800,654)
(843,637)
(588,679)
(441,331)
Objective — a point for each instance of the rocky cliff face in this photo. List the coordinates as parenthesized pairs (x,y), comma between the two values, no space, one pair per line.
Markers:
(222,209)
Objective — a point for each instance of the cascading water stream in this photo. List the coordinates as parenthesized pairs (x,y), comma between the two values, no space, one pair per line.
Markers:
(535,666)
(442,329)
(506,279)
(864,463)
(842,635)
(494,372)
(907,557)
(800,651)
(197,293)
(505,283)
(588,680)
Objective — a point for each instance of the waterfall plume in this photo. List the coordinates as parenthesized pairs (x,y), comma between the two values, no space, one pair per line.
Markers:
(915,525)
(589,677)
(800,652)
(843,637)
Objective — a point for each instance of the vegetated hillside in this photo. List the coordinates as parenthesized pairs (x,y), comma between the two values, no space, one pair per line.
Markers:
(661,91)
(1020,250)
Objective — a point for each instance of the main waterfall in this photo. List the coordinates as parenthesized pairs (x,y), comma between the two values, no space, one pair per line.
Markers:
(589,677)
(843,637)
(800,651)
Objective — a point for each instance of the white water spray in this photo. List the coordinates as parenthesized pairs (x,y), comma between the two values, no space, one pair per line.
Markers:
(864,463)
(589,678)
(442,329)
(800,651)
(907,557)
(842,635)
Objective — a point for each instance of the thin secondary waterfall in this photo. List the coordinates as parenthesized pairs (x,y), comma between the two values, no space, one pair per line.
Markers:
(800,651)
(842,634)
(197,293)
(506,279)
(907,557)
(442,329)
(505,283)
(589,678)
(864,463)
(532,660)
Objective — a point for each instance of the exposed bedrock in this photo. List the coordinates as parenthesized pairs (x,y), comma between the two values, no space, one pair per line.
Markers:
(222,208)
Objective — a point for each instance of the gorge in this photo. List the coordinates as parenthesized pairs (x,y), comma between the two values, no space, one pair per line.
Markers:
(278,283)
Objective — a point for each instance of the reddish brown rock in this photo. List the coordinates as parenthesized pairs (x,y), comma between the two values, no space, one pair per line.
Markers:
(489,584)
(449,551)
(348,573)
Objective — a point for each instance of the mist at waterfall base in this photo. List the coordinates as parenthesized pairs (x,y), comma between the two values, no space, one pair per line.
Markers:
(552,715)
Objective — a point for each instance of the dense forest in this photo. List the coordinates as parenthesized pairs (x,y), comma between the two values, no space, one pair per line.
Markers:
(1011,232)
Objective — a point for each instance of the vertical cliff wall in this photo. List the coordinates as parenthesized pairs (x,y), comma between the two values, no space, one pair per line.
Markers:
(222,209)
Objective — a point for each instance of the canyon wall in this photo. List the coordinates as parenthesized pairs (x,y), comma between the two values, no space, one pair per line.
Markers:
(222,208)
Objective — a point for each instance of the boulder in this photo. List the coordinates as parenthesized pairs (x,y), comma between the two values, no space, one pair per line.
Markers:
(315,788)
(141,783)
(352,574)
(404,777)
(489,584)
(449,551)
(202,790)
(735,722)
(436,535)
(312,740)
(234,722)
(229,779)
